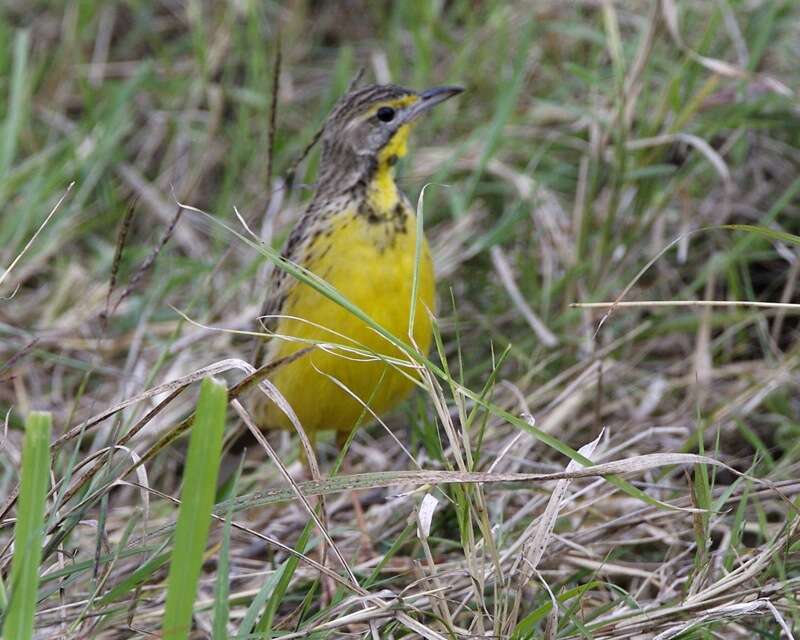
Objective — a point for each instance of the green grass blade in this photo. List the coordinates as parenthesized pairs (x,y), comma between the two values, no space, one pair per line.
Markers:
(770,234)
(282,578)
(527,625)
(17,102)
(29,529)
(135,578)
(222,589)
(258,603)
(194,517)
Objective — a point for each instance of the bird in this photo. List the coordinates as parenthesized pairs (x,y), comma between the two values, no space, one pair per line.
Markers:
(358,234)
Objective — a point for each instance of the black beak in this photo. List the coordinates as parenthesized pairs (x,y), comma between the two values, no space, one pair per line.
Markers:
(440,94)
(430,98)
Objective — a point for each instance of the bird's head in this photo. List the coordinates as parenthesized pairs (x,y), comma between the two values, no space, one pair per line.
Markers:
(368,130)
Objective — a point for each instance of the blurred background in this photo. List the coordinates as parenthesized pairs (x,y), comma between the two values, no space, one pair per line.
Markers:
(597,154)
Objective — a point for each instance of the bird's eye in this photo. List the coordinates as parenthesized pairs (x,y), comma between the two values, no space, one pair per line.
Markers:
(385,114)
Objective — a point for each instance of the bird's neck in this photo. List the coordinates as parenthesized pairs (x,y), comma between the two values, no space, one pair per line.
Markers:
(382,192)
(371,179)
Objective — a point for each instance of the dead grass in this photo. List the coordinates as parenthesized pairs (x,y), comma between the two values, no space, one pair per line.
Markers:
(591,138)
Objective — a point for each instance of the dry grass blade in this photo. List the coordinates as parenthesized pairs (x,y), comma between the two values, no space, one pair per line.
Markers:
(787,306)
(714,158)
(375,480)
(35,235)
(729,612)
(544,334)
(534,540)
(295,488)
(670,12)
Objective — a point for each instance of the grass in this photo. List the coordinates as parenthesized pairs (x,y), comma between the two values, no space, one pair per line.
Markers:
(638,152)
(20,608)
(194,516)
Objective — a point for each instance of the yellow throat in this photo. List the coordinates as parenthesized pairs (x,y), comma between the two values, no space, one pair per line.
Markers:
(383,192)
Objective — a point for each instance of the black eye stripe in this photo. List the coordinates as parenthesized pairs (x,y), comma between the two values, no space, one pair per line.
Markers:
(385,114)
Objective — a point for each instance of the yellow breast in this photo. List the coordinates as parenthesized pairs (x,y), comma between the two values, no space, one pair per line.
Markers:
(372,264)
